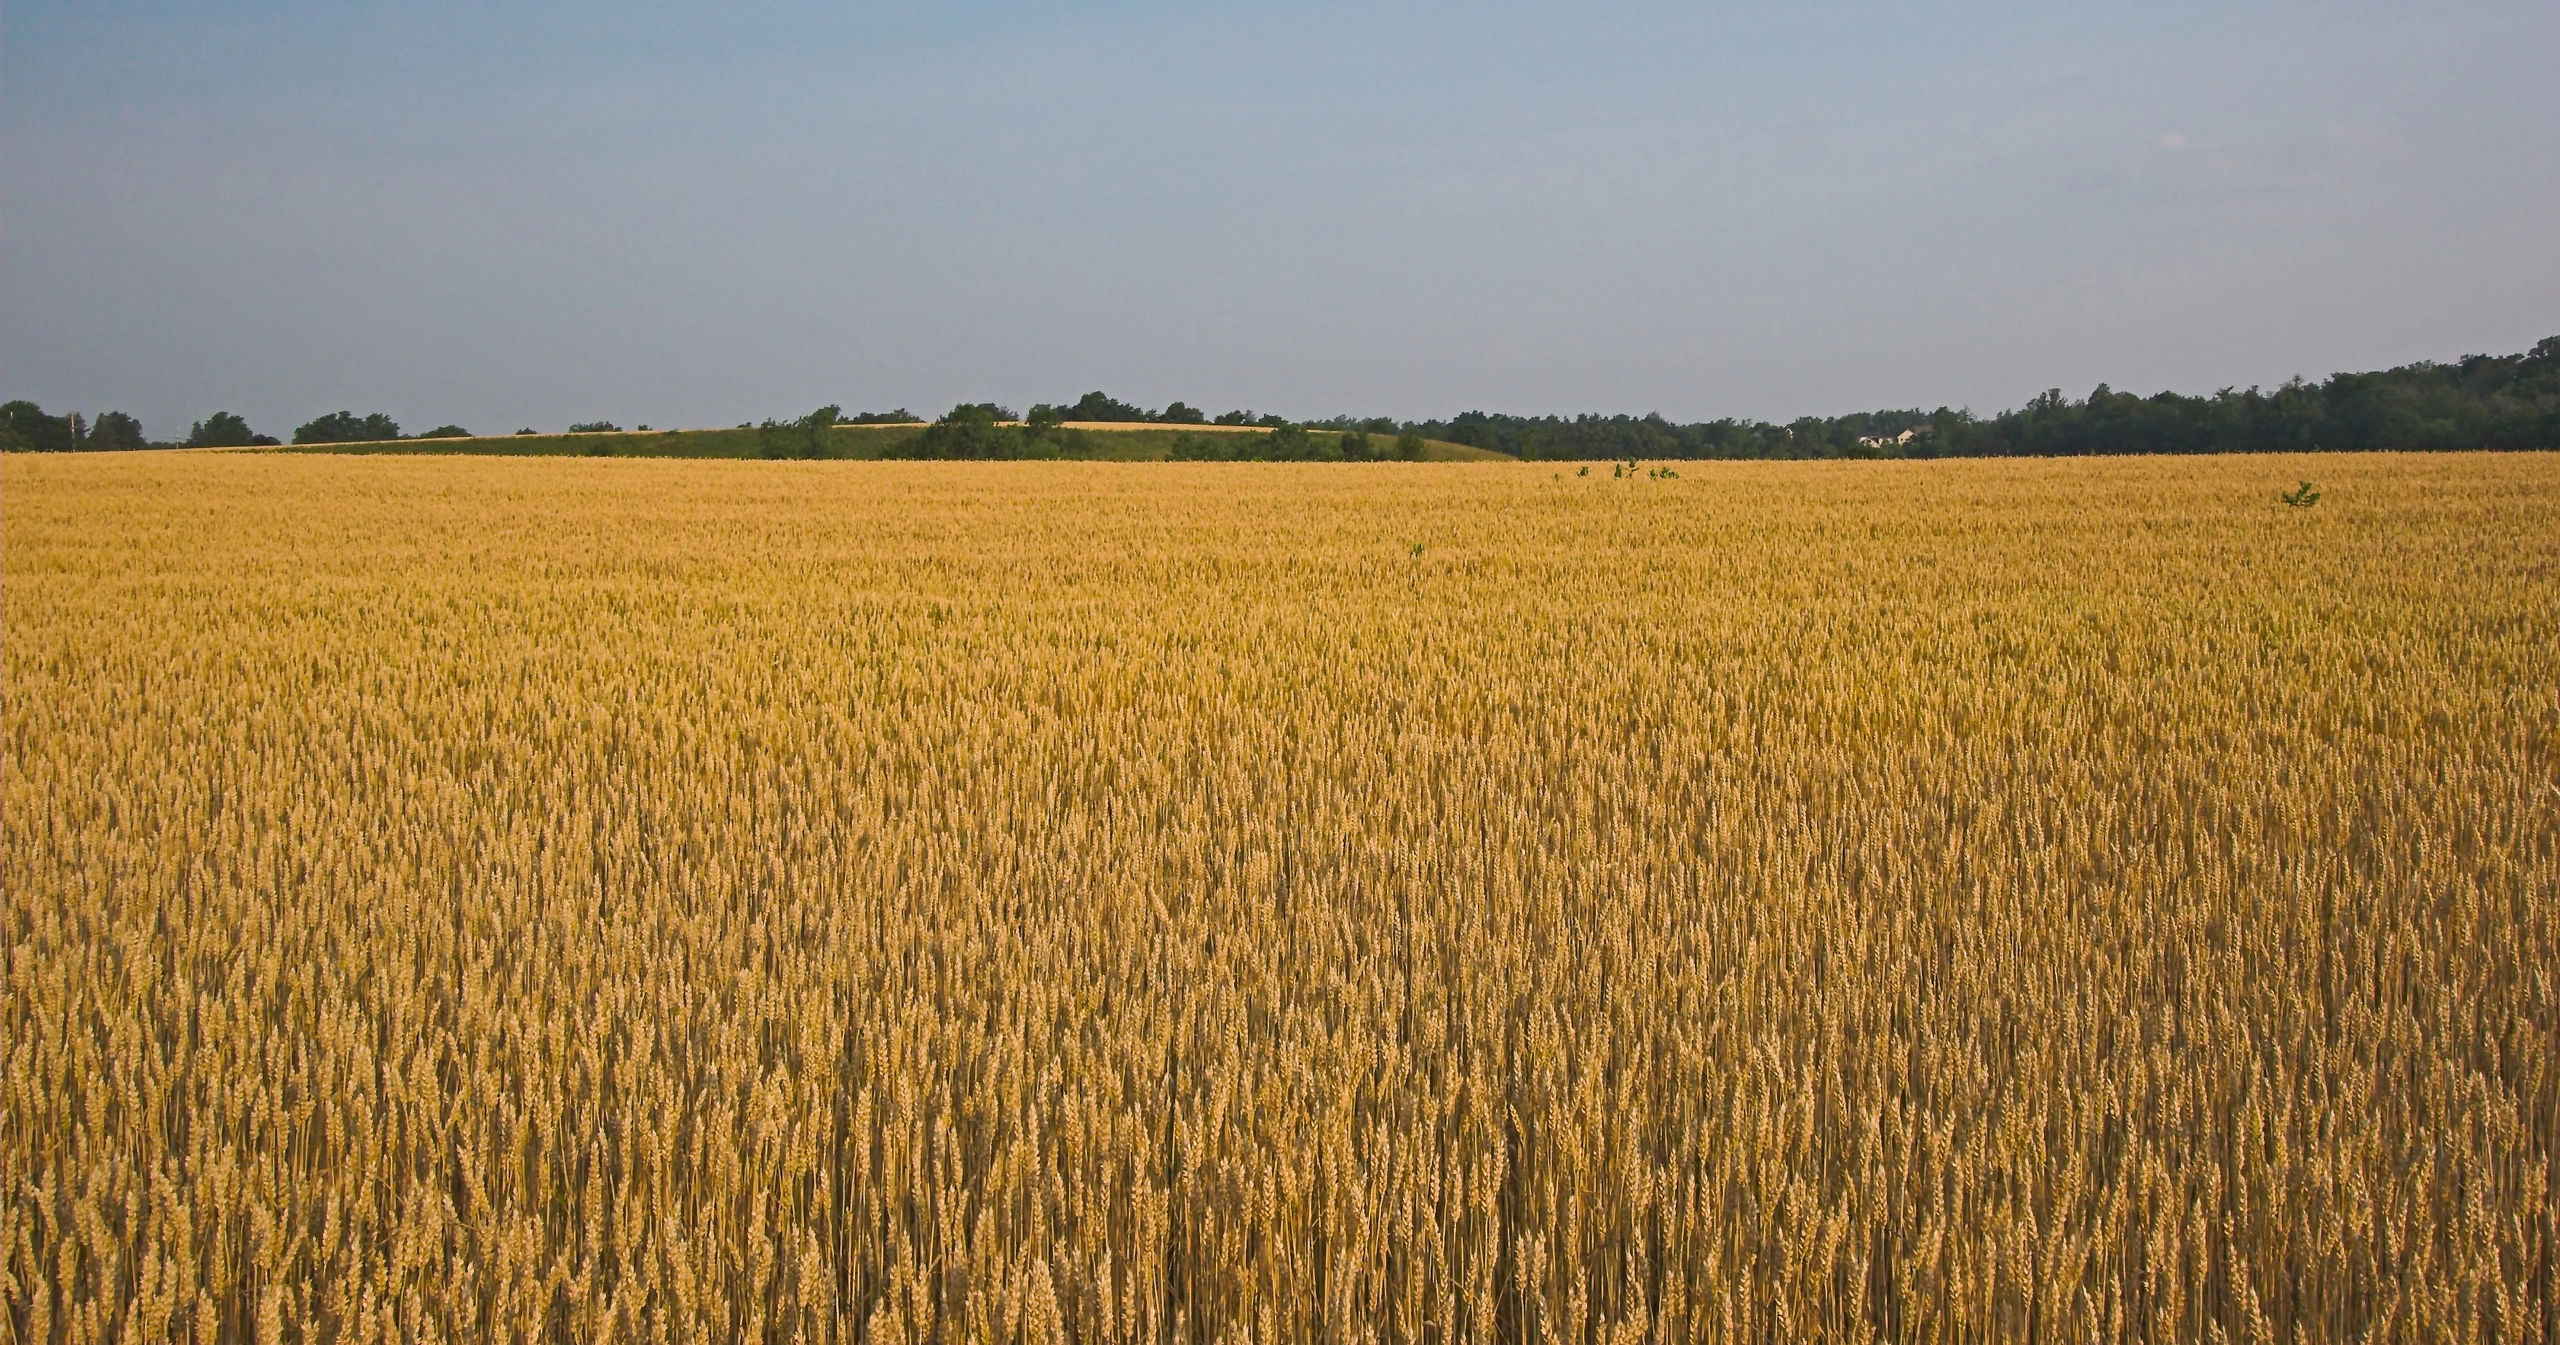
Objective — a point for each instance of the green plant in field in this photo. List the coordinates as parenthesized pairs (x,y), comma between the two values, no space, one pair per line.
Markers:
(2301,496)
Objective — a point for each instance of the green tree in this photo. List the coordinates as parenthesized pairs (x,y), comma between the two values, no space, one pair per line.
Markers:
(1287,443)
(116,430)
(1096,406)
(346,427)
(25,428)
(1409,446)
(970,431)
(222,429)
(1179,414)
(807,437)
(450,432)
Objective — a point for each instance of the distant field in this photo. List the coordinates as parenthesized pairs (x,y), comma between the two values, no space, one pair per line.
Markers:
(2059,900)
(1101,440)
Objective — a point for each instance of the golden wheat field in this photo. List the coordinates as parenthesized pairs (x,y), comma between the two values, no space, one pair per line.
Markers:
(498,900)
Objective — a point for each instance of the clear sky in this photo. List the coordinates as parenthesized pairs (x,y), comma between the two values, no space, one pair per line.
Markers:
(533,212)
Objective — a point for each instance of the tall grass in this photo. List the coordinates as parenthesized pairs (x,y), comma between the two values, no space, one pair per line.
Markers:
(568,900)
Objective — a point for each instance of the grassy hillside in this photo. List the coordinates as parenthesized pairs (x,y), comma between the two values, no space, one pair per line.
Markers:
(1136,443)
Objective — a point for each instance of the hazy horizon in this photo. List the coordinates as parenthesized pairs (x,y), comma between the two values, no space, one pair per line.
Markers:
(681,215)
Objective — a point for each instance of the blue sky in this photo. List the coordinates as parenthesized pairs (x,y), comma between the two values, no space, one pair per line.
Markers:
(532,213)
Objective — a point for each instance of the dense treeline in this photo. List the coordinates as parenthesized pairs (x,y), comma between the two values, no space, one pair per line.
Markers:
(25,428)
(2480,401)
(1296,443)
(984,431)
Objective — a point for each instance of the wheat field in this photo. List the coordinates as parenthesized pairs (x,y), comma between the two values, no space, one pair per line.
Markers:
(509,900)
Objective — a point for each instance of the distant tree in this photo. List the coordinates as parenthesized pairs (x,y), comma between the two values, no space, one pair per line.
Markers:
(1811,437)
(450,432)
(969,431)
(115,430)
(1095,406)
(1044,435)
(595,427)
(25,428)
(346,427)
(222,429)
(1409,446)
(1179,414)
(527,430)
(1286,443)
(1355,447)
(1235,418)
(897,417)
(802,438)
(1188,447)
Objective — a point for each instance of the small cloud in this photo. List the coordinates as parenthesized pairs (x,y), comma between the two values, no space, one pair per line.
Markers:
(2173,142)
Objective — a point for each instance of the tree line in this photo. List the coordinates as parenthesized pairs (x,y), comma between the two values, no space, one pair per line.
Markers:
(2479,401)
(27,428)
(984,431)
